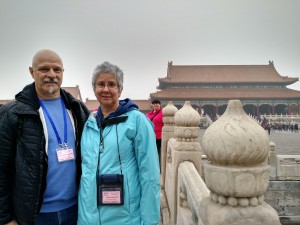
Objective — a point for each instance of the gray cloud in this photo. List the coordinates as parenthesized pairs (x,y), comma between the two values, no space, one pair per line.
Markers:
(142,36)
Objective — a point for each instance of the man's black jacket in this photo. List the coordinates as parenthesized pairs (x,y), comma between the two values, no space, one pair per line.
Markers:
(23,160)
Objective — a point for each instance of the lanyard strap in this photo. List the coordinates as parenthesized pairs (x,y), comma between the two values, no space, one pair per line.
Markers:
(101,148)
(101,126)
(65,144)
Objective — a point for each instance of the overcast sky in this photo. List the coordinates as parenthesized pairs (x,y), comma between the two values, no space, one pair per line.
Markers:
(142,36)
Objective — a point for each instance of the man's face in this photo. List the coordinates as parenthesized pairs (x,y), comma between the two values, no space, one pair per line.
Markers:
(47,72)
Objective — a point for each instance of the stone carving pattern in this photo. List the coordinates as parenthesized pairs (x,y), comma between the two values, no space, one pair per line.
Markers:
(231,143)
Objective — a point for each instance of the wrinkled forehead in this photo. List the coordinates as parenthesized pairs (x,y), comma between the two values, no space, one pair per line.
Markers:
(46,56)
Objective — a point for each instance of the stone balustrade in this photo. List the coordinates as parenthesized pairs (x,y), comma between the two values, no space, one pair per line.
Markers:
(282,118)
(184,146)
(191,190)
(236,170)
(284,186)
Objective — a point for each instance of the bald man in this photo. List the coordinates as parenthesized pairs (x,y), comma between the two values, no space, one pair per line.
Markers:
(40,149)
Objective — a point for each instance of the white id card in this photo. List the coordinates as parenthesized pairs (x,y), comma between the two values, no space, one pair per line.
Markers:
(111,196)
(65,154)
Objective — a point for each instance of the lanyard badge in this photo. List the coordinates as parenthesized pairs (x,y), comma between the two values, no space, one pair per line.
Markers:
(63,152)
(110,189)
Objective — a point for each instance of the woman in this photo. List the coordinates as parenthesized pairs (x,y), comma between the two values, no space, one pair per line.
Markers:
(156,116)
(120,170)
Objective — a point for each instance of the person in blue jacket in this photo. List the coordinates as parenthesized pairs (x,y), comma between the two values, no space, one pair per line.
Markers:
(120,182)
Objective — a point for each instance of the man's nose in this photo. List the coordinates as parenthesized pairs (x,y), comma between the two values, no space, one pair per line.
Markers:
(51,73)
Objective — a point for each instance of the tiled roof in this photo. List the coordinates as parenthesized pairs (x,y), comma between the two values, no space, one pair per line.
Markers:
(225,74)
(2,102)
(92,104)
(74,91)
(226,93)
(144,105)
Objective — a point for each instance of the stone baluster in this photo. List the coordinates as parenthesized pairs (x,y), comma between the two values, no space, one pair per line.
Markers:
(236,174)
(272,161)
(185,146)
(167,132)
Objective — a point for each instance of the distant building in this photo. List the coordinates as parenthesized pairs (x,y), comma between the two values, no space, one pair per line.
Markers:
(2,102)
(261,89)
(74,91)
(93,104)
(144,105)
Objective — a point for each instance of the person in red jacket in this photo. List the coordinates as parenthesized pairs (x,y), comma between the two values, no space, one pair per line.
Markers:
(156,116)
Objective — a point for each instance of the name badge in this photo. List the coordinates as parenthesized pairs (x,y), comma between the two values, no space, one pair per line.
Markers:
(65,154)
(111,196)
(110,189)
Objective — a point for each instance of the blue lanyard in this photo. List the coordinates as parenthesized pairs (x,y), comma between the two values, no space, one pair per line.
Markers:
(65,144)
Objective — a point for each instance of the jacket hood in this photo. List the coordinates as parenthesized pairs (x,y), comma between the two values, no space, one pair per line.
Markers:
(28,96)
(125,106)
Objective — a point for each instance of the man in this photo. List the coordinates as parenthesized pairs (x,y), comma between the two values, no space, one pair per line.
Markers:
(156,116)
(40,149)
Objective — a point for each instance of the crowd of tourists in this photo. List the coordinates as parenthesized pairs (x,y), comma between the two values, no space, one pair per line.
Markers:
(292,127)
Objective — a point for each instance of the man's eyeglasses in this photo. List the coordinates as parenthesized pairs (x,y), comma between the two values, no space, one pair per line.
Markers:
(110,85)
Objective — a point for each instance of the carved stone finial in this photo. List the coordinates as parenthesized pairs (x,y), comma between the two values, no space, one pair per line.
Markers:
(187,122)
(169,113)
(236,174)
(187,116)
(235,139)
(169,110)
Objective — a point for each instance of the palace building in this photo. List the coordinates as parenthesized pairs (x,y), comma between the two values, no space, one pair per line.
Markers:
(260,88)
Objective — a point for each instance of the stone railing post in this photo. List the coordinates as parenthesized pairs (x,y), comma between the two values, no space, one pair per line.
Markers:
(184,147)
(237,173)
(167,132)
(272,161)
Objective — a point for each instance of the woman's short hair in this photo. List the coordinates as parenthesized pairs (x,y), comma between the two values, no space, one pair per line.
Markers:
(107,67)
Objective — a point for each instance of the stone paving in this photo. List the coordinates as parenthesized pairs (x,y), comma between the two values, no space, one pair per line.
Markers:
(287,142)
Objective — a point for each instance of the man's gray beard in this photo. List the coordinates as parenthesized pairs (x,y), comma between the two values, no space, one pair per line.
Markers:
(51,90)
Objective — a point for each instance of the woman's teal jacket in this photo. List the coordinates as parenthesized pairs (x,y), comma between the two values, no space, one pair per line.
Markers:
(135,141)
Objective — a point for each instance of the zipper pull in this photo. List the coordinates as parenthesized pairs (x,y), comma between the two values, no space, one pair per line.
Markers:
(101,147)
(101,141)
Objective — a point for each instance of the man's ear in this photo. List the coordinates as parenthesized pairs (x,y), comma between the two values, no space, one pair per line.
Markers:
(31,72)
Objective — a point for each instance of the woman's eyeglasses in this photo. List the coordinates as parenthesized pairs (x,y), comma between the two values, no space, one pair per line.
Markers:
(110,85)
